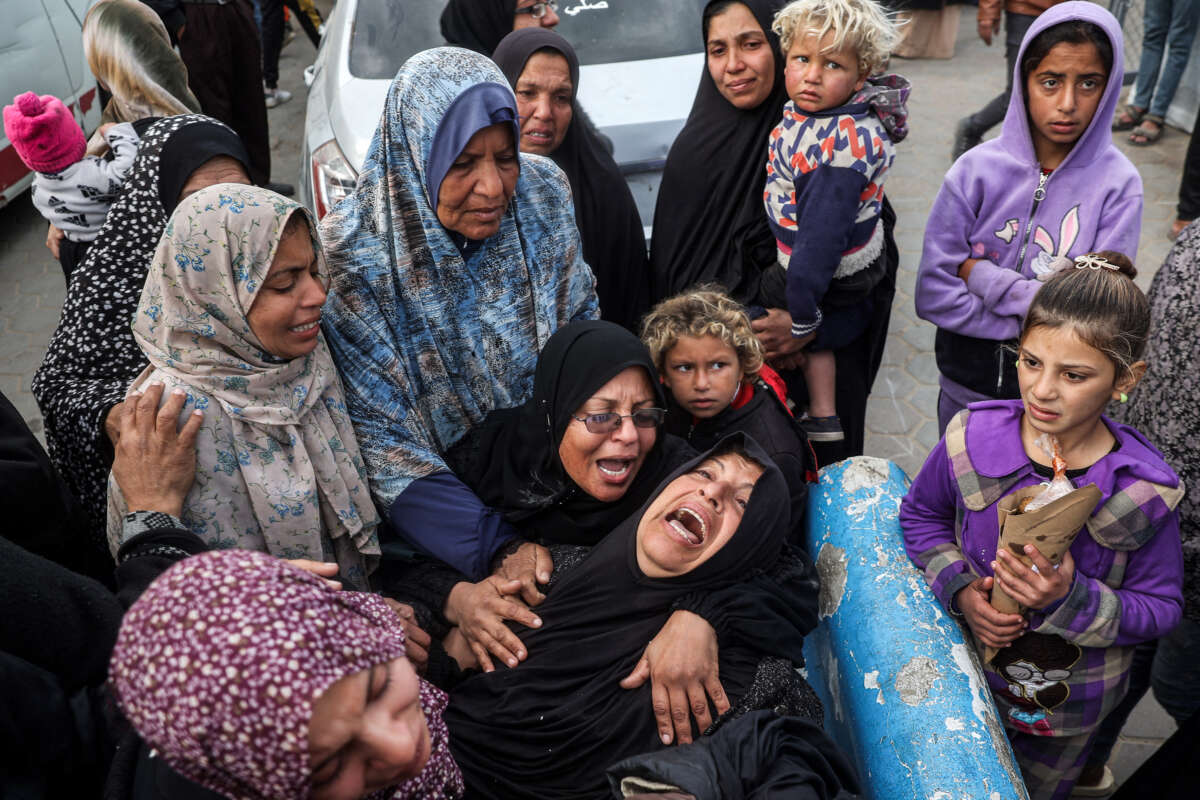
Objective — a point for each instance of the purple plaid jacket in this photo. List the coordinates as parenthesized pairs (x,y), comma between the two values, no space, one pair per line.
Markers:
(1064,676)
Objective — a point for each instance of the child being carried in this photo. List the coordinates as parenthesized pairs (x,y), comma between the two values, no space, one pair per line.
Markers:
(71,190)
(826,164)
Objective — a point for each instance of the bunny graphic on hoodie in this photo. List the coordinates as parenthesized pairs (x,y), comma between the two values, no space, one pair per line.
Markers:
(998,205)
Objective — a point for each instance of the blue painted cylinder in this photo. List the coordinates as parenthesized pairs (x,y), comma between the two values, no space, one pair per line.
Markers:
(903,690)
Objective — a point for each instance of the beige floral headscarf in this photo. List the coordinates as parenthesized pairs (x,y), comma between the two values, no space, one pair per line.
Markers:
(278,467)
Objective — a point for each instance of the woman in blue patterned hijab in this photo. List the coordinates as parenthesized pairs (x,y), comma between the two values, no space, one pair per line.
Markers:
(453,262)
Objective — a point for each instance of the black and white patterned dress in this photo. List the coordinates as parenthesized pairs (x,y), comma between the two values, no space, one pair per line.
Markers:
(1163,407)
(92,357)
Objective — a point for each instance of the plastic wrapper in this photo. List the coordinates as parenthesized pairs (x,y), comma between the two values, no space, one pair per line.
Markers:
(1048,516)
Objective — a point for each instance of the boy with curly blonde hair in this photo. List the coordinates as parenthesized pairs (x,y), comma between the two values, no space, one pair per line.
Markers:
(711,364)
(827,161)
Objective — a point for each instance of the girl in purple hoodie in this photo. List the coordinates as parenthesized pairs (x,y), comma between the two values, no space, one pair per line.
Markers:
(1064,664)
(1052,184)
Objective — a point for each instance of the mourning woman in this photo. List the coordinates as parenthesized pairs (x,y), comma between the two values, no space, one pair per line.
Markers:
(453,262)
(92,358)
(543,70)
(284,688)
(230,315)
(710,222)
(552,725)
(560,472)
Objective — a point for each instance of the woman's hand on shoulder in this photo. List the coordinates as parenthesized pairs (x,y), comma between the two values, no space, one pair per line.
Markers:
(993,628)
(154,460)
(479,611)
(681,664)
(530,564)
(1036,586)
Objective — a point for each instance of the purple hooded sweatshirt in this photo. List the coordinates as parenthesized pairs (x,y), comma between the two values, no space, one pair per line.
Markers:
(996,205)
(1128,584)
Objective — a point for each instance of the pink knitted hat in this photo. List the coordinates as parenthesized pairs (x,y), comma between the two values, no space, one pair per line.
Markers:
(43,132)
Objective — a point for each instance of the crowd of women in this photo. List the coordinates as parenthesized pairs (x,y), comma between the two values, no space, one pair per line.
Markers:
(387,495)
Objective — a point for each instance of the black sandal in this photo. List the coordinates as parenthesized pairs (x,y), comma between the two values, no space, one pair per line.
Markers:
(1129,117)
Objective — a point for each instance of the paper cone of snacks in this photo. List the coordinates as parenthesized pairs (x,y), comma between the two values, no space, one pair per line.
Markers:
(1051,529)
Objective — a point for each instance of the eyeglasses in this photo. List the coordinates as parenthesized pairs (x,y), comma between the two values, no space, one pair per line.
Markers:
(538,10)
(611,421)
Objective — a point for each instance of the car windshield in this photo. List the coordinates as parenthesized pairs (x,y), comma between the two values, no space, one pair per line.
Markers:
(387,32)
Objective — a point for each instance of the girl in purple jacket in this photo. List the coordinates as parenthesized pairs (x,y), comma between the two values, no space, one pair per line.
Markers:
(1052,184)
(1064,664)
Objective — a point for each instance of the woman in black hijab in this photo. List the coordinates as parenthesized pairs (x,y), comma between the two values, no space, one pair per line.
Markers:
(711,225)
(92,357)
(551,726)
(614,243)
(479,25)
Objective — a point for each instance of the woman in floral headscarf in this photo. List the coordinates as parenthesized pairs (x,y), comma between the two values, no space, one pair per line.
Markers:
(453,262)
(230,315)
(282,689)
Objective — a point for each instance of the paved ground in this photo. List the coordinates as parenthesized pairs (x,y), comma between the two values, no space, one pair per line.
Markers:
(903,423)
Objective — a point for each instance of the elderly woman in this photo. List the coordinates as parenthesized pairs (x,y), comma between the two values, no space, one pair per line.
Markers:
(544,73)
(92,357)
(713,227)
(479,25)
(453,262)
(284,688)
(230,315)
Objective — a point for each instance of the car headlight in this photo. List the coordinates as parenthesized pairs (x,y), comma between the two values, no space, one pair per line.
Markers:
(332,177)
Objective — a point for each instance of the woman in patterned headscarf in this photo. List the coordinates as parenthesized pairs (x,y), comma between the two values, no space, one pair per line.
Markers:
(453,262)
(92,356)
(230,314)
(130,54)
(283,688)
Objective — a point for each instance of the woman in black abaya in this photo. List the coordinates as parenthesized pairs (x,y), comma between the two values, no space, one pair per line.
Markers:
(551,726)
(711,226)
(614,244)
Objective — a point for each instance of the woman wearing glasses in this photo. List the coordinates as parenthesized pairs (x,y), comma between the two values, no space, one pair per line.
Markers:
(479,25)
(230,316)
(562,471)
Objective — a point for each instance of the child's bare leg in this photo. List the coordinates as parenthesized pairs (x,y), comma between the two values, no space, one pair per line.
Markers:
(820,373)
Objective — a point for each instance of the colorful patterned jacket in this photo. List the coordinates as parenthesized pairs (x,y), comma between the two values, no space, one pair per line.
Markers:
(824,190)
(1071,669)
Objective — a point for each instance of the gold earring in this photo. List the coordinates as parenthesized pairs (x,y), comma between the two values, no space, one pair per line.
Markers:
(1124,397)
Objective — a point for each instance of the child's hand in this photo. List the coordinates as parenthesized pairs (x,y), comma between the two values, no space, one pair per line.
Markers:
(1037,586)
(993,628)
(964,269)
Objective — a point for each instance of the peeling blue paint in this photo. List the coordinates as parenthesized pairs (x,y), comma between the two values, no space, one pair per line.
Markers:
(903,691)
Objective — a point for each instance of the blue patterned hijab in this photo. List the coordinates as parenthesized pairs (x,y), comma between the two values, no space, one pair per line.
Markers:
(430,338)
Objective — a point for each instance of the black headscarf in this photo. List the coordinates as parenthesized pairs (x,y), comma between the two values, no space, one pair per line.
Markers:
(614,244)
(710,224)
(187,151)
(477,25)
(511,460)
(551,726)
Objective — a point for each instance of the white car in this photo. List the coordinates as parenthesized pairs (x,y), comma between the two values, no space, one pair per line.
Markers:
(640,62)
(41,50)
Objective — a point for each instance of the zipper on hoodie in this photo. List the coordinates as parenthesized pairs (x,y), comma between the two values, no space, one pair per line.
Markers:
(1039,194)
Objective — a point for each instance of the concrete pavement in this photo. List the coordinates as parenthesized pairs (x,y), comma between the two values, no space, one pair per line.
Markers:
(902,410)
